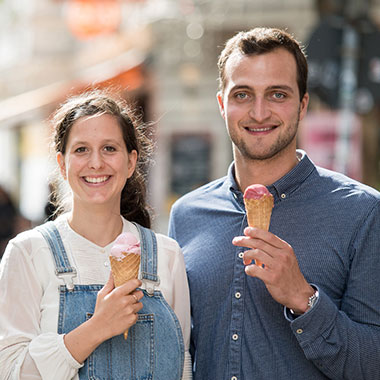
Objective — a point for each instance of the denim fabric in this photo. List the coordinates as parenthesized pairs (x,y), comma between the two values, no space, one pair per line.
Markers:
(239,332)
(154,348)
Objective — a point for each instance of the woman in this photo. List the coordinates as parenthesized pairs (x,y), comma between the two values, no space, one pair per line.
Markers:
(57,318)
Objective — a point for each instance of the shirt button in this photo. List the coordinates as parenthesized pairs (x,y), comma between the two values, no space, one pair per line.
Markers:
(102,250)
(237,295)
(235,337)
(299,331)
(241,254)
(106,264)
(283,195)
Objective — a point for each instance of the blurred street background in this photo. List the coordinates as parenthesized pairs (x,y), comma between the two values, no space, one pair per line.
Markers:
(162,55)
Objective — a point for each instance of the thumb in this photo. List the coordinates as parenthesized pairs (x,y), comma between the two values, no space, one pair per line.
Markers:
(108,287)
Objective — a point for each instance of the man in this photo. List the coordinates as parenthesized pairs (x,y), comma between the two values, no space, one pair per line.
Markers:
(313,310)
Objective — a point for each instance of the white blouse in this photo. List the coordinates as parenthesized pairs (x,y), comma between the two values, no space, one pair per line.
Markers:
(30,347)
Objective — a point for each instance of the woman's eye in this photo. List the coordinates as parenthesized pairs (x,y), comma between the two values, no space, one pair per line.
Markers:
(109,148)
(81,149)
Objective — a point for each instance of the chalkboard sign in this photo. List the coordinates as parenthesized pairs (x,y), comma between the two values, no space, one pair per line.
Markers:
(190,162)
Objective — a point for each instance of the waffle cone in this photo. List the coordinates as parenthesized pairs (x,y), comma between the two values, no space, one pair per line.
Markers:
(259,212)
(125,270)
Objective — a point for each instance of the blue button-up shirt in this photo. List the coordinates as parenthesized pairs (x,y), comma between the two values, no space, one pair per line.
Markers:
(239,331)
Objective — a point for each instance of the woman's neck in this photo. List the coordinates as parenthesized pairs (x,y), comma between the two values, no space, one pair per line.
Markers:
(98,226)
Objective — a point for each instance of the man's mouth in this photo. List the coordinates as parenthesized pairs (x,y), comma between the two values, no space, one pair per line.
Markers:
(96,179)
(259,129)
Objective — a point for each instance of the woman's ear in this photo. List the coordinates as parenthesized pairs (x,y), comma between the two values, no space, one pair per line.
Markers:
(61,163)
(132,161)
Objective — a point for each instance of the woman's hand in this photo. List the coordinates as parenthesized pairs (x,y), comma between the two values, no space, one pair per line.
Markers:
(115,312)
(116,308)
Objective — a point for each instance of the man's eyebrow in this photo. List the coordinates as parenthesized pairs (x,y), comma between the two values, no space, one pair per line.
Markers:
(241,87)
(283,87)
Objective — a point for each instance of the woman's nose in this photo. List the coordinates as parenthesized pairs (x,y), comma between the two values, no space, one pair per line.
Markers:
(96,160)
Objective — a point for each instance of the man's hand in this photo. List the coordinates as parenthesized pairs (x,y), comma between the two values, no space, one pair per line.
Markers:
(281,273)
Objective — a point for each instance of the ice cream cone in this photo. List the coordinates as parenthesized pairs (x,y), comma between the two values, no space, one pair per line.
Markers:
(258,204)
(125,269)
(125,261)
(259,212)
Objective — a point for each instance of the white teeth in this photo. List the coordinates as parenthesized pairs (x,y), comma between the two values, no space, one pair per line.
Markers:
(259,129)
(96,180)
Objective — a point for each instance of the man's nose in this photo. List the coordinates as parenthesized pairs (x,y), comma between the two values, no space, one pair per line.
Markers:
(260,110)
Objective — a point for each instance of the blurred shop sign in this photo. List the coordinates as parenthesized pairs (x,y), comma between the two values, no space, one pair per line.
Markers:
(90,18)
(320,136)
(190,156)
(326,55)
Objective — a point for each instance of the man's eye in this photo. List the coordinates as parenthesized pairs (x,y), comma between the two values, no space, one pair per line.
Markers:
(109,148)
(279,95)
(241,95)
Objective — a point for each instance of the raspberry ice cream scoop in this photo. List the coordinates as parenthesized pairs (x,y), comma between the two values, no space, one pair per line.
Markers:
(125,242)
(256,191)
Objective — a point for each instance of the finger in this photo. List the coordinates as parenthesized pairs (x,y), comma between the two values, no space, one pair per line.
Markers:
(129,286)
(253,270)
(264,235)
(108,286)
(253,243)
(260,257)
(138,295)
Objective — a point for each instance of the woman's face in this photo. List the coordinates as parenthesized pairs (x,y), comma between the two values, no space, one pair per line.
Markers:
(96,163)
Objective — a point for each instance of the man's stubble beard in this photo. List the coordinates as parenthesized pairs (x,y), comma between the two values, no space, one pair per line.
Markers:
(275,149)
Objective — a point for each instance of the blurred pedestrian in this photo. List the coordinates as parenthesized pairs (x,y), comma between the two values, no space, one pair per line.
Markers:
(8,215)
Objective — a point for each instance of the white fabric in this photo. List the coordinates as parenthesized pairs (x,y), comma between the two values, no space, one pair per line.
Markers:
(30,347)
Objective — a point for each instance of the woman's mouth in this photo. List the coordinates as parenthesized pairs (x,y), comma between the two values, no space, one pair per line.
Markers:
(96,179)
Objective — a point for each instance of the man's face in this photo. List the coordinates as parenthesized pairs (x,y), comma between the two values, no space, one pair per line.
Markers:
(261,104)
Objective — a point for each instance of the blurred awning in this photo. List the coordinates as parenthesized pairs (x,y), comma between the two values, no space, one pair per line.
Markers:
(124,72)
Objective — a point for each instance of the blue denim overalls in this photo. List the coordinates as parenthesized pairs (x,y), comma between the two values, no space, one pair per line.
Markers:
(154,348)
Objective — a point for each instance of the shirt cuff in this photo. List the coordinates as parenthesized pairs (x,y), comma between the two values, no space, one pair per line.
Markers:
(52,358)
(66,353)
(309,326)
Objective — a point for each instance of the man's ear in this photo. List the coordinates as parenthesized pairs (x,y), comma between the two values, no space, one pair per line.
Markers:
(61,163)
(219,97)
(303,106)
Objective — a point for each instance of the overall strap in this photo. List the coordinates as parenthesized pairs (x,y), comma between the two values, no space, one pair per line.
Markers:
(63,269)
(148,243)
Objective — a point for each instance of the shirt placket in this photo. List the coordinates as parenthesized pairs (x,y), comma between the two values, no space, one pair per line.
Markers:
(237,312)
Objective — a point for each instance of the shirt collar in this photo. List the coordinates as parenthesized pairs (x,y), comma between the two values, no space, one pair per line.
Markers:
(283,187)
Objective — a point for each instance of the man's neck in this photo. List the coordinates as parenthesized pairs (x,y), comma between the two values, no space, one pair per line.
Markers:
(265,172)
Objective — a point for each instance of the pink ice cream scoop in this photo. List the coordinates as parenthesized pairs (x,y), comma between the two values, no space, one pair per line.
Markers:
(256,191)
(125,243)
